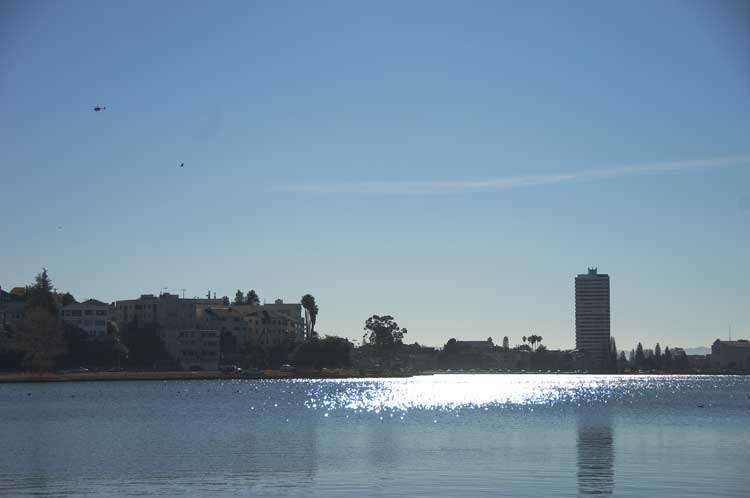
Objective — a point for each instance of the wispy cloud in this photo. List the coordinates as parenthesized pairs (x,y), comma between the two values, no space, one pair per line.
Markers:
(457,186)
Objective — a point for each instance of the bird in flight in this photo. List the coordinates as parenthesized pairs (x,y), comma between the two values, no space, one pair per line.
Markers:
(182,164)
(59,227)
(99,108)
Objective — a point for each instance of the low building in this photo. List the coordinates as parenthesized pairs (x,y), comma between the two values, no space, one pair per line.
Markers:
(731,355)
(91,316)
(197,349)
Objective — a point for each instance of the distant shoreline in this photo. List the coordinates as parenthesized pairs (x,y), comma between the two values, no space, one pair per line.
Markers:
(17,378)
(14,378)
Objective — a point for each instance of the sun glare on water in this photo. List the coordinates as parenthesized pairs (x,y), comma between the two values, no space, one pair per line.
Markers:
(452,392)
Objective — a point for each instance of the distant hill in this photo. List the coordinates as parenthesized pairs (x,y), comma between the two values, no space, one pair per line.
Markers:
(698,350)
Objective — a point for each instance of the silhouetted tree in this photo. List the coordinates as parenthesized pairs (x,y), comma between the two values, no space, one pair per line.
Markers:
(622,362)
(451,347)
(640,358)
(329,352)
(311,315)
(667,360)
(254,356)
(225,300)
(146,346)
(534,340)
(67,299)
(82,351)
(506,343)
(239,297)
(385,335)
(40,336)
(657,355)
(252,297)
(41,294)
(384,331)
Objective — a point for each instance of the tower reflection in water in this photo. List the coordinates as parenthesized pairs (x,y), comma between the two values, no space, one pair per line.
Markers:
(595,455)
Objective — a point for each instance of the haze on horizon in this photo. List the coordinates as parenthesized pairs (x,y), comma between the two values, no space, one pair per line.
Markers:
(452,165)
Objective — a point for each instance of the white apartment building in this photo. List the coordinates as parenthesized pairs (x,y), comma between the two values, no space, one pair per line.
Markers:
(91,316)
(197,349)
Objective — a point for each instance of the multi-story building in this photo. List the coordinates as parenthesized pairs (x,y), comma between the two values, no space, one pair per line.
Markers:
(269,328)
(592,318)
(275,316)
(91,316)
(232,326)
(731,355)
(197,349)
(168,311)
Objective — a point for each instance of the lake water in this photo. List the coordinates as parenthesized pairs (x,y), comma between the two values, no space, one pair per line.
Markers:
(432,436)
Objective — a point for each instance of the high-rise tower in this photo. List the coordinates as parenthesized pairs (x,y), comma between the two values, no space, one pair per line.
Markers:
(592,317)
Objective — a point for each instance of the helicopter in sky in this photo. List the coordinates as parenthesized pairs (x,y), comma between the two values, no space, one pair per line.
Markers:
(99,108)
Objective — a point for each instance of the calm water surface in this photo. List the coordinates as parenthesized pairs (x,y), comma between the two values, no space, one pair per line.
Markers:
(447,435)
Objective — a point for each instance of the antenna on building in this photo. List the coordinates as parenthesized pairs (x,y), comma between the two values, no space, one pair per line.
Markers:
(183,293)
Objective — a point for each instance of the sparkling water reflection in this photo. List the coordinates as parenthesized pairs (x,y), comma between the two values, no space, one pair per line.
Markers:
(447,435)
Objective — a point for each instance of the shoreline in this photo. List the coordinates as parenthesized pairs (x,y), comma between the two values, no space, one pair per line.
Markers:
(18,378)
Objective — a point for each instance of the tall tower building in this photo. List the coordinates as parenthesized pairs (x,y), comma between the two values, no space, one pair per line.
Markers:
(592,317)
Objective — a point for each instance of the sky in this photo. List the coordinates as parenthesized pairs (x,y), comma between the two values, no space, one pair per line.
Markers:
(453,164)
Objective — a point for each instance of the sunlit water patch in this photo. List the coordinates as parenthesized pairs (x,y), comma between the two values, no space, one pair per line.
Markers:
(452,392)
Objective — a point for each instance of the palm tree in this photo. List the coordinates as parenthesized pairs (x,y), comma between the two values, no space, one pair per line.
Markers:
(311,313)
(523,339)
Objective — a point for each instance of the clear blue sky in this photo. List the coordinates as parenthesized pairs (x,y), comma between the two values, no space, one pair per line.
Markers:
(454,164)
